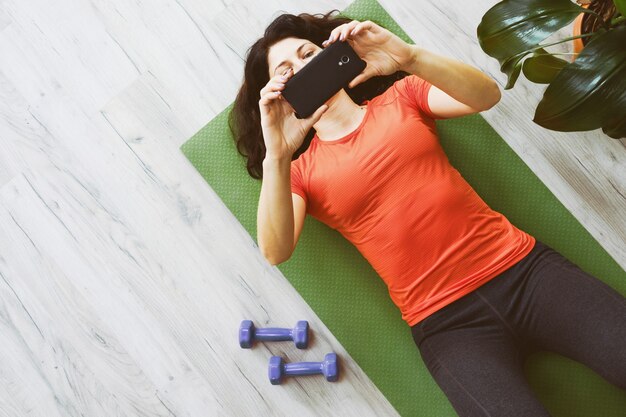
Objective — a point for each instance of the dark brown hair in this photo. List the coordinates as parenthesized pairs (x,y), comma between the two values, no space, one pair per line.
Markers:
(245,118)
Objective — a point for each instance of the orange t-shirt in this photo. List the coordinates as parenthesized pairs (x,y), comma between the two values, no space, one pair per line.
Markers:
(390,190)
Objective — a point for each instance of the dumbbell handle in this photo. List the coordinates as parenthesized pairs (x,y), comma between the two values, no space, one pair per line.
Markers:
(304,368)
(278,368)
(275,334)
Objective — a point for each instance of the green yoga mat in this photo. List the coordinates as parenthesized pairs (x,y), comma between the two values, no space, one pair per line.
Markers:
(352,300)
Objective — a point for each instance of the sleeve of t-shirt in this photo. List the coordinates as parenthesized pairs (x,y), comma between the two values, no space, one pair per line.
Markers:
(297,184)
(415,90)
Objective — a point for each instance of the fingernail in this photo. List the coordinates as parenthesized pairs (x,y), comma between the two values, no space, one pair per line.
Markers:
(352,33)
(341,37)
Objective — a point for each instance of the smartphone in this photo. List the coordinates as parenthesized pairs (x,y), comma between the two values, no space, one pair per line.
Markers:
(328,72)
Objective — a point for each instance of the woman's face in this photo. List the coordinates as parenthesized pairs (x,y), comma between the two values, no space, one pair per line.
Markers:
(291,53)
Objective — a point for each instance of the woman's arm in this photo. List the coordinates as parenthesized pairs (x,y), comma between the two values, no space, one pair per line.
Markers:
(461,82)
(460,87)
(275,219)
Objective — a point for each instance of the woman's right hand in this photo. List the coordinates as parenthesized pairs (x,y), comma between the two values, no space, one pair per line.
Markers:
(283,133)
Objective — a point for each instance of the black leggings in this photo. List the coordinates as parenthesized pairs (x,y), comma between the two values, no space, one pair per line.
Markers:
(475,347)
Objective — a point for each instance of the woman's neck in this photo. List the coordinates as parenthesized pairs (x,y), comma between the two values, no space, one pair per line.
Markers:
(342,117)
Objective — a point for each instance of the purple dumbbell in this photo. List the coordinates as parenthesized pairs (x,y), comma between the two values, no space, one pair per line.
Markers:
(278,368)
(248,334)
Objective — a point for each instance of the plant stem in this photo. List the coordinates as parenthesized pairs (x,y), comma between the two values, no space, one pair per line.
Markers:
(567,39)
(550,44)
(561,53)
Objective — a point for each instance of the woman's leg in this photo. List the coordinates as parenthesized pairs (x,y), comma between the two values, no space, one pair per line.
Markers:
(477,359)
(475,347)
(481,373)
(576,315)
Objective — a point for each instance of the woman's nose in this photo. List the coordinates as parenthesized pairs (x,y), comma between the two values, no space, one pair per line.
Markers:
(298,66)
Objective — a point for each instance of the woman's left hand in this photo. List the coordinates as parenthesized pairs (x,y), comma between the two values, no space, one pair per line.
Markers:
(383,51)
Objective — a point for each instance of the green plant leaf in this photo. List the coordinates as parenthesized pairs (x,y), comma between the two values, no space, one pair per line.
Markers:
(621,6)
(511,28)
(542,67)
(512,67)
(591,91)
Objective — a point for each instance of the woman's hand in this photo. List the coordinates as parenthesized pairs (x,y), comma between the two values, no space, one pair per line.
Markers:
(283,133)
(383,51)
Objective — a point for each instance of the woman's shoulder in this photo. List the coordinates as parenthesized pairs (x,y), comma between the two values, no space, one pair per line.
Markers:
(302,161)
(391,94)
(409,91)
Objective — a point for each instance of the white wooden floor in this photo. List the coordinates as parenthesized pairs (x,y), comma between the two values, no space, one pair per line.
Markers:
(123,276)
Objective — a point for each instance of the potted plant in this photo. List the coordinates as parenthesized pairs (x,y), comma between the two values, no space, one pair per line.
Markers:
(585,94)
